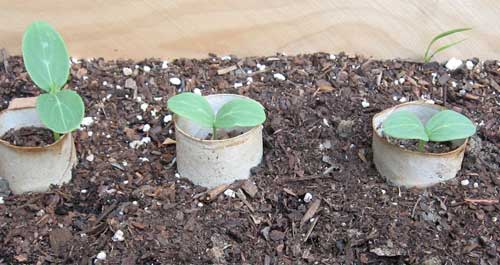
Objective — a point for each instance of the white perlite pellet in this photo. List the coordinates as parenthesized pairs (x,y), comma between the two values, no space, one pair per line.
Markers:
(175,81)
(118,236)
(453,64)
(127,71)
(279,76)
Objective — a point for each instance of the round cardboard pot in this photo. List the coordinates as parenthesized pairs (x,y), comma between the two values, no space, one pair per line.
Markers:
(33,168)
(407,168)
(210,163)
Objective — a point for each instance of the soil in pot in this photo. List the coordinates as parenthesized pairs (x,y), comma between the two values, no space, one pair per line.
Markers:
(222,135)
(429,147)
(29,137)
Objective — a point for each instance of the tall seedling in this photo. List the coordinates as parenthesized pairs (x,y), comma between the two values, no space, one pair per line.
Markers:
(47,61)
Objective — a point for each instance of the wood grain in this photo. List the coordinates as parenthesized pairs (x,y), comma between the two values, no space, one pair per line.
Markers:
(193,28)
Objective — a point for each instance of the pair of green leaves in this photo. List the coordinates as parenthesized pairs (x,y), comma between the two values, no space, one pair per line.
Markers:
(236,113)
(444,126)
(47,61)
(428,57)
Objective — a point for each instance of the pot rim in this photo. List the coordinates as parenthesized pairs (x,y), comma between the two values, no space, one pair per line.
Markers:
(459,149)
(255,128)
(30,148)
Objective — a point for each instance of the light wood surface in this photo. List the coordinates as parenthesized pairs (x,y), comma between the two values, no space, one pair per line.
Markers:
(193,28)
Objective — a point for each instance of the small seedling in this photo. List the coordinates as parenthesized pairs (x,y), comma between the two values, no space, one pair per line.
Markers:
(428,57)
(444,126)
(47,61)
(236,113)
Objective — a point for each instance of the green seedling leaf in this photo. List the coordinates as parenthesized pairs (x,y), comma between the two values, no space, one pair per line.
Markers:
(45,57)
(449,125)
(427,58)
(240,112)
(403,124)
(193,107)
(61,112)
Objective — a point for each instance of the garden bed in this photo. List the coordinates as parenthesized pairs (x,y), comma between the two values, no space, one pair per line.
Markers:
(317,141)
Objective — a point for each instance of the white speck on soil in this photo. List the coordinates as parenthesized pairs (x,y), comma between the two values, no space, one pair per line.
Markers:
(157,98)
(138,143)
(308,197)
(403,100)
(135,203)
(226,58)
(101,255)
(154,113)
(464,182)
(167,119)
(139,117)
(104,83)
(453,64)
(84,191)
(469,65)
(200,204)
(476,185)
(144,106)
(175,81)
(333,57)
(453,84)
(401,80)
(395,98)
(177,175)
(238,84)
(146,128)
(279,76)
(261,67)
(230,193)
(138,99)
(365,103)
(90,158)
(325,122)
(197,91)
(143,159)
(494,219)
(1,200)
(146,69)
(249,80)
(164,65)
(127,71)
(87,121)
(118,236)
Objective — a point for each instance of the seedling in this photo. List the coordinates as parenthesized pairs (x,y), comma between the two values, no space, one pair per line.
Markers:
(444,126)
(428,57)
(47,61)
(236,113)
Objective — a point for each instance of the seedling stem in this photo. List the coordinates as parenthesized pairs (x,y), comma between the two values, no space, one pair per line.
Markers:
(56,136)
(214,132)
(421,144)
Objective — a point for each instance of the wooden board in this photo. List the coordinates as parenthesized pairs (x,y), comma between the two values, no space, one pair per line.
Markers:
(193,28)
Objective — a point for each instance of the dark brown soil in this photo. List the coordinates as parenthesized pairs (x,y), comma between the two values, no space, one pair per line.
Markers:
(317,142)
(223,134)
(29,136)
(429,147)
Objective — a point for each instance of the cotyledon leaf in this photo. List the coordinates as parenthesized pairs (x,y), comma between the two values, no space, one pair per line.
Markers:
(449,125)
(240,112)
(45,56)
(62,112)
(403,124)
(193,107)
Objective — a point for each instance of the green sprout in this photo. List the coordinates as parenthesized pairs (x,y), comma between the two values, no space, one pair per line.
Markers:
(47,61)
(428,57)
(235,113)
(446,125)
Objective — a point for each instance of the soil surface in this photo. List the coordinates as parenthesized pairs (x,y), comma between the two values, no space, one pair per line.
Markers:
(429,147)
(316,198)
(223,134)
(29,136)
